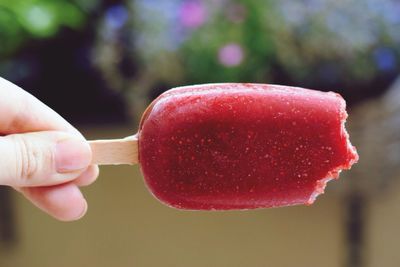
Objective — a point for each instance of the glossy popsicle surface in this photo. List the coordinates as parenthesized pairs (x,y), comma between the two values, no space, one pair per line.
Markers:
(242,146)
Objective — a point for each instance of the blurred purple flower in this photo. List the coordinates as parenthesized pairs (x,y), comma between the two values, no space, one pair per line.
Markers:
(192,13)
(116,16)
(231,55)
(385,58)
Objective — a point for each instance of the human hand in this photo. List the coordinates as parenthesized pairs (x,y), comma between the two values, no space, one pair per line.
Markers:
(42,155)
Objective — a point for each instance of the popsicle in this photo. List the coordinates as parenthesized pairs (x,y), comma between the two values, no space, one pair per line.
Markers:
(237,146)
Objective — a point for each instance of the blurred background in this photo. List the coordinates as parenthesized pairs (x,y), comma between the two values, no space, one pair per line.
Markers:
(100,63)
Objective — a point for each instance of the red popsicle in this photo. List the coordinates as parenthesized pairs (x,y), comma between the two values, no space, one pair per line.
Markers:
(243,146)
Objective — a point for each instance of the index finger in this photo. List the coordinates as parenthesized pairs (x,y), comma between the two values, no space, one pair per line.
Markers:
(21,112)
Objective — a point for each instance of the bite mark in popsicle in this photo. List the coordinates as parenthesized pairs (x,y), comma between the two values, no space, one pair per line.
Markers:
(243,146)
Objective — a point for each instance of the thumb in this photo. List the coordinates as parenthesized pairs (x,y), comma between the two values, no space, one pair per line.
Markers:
(42,158)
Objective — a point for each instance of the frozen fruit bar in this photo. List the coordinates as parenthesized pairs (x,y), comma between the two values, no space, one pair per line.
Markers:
(243,146)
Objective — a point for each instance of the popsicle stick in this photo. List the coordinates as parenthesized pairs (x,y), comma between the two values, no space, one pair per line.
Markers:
(115,151)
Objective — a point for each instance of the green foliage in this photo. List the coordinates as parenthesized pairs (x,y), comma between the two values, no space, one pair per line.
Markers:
(10,31)
(201,50)
(327,40)
(24,19)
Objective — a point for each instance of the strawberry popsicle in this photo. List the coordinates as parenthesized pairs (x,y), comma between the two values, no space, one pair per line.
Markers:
(243,146)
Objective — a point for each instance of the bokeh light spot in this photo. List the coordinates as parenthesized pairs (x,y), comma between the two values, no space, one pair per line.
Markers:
(193,13)
(231,55)
(40,19)
(385,58)
(116,16)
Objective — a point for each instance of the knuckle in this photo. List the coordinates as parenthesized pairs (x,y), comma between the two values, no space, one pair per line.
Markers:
(29,159)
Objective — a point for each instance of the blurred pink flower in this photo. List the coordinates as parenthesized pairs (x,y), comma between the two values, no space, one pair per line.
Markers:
(192,13)
(231,55)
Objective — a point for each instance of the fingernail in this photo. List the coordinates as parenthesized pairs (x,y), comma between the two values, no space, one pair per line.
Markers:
(72,155)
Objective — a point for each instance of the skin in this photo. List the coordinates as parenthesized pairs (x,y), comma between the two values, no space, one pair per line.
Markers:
(43,156)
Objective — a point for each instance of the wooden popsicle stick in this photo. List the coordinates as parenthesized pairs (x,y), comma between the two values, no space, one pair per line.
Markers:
(115,151)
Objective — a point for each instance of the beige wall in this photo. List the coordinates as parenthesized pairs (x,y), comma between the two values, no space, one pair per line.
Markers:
(384,229)
(126,226)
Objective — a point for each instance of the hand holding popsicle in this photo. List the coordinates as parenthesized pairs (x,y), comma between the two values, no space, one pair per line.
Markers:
(237,146)
(42,155)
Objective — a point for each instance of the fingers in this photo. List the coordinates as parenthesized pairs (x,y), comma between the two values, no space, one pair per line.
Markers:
(88,176)
(42,159)
(20,112)
(52,164)
(64,202)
